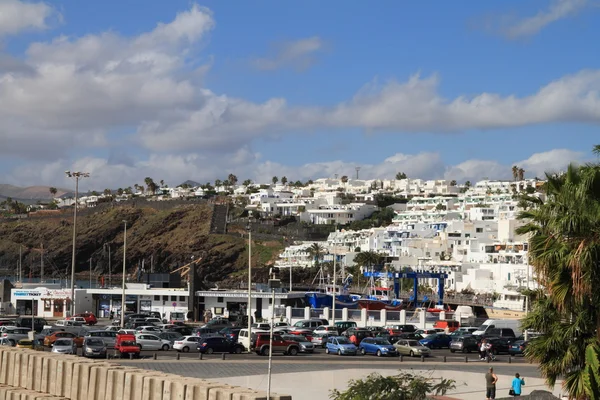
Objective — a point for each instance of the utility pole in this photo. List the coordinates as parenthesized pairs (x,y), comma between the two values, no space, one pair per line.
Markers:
(249,308)
(90,272)
(109,267)
(124,271)
(42,264)
(20,264)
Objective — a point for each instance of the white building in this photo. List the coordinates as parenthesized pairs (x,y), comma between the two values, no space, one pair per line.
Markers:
(50,301)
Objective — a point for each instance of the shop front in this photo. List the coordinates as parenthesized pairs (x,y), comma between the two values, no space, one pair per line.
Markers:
(47,302)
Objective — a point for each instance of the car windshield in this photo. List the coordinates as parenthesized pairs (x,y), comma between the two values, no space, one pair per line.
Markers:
(382,341)
(94,342)
(413,343)
(343,341)
(127,343)
(63,342)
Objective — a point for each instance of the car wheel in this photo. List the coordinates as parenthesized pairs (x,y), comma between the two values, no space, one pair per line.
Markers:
(238,350)
(412,353)
(378,354)
(210,350)
(326,350)
(363,352)
(339,353)
(293,351)
(185,349)
(453,351)
(464,350)
(165,347)
(140,346)
(12,342)
(265,351)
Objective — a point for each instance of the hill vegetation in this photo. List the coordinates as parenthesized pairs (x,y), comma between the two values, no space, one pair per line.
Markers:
(170,238)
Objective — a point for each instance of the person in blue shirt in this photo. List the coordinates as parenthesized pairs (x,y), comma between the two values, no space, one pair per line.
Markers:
(517,382)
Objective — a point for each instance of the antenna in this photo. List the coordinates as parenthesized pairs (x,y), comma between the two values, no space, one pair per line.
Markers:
(357,169)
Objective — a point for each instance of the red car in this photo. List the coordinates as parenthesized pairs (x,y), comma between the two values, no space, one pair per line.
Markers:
(90,318)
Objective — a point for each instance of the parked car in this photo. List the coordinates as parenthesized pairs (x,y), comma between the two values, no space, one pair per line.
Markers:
(127,345)
(464,344)
(5,342)
(77,319)
(170,336)
(306,346)
(426,332)
(148,329)
(7,322)
(184,330)
(356,335)
(64,323)
(281,326)
(499,332)
(216,324)
(52,338)
(320,338)
(64,346)
(328,329)
(260,343)
(108,337)
(34,344)
(25,322)
(219,345)
(411,347)
(436,341)
(340,345)
(378,346)
(311,324)
(14,334)
(93,347)
(499,345)
(148,341)
(342,326)
(154,321)
(401,328)
(446,325)
(375,330)
(89,318)
(467,329)
(186,343)
(230,333)
(307,333)
(263,326)
(243,338)
(517,348)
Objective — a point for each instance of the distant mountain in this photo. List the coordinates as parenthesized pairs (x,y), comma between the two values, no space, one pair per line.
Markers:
(27,194)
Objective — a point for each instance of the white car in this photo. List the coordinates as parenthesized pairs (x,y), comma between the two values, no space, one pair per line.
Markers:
(147,341)
(166,327)
(112,328)
(186,343)
(149,329)
(154,321)
(426,332)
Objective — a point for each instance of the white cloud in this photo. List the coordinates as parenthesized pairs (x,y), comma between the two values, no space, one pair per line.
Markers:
(298,54)
(557,10)
(175,169)
(17,16)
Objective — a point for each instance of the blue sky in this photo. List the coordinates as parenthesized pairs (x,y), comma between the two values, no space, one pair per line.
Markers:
(183,90)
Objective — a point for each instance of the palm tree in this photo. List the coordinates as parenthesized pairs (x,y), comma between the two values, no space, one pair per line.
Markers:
(232,179)
(452,182)
(521,174)
(564,250)
(151,185)
(275,180)
(218,183)
(515,172)
(345,179)
(53,191)
(400,176)
(284,180)
(368,259)
(468,184)
(162,183)
(316,251)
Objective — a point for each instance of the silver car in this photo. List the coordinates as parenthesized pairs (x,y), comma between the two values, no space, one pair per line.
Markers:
(93,347)
(108,337)
(147,341)
(64,346)
(411,348)
(305,345)
(14,334)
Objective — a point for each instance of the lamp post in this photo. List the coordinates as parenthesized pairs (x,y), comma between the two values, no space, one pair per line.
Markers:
(334,291)
(109,264)
(273,284)
(124,271)
(75,175)
(249,308)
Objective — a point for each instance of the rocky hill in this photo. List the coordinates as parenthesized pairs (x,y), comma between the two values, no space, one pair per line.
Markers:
(28,194)
(169,237)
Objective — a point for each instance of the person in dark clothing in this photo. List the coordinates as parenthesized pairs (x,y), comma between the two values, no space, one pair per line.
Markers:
(490,384)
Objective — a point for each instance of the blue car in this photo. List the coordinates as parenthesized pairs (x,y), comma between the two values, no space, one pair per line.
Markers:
(378,346)
(340,345)
(436,341)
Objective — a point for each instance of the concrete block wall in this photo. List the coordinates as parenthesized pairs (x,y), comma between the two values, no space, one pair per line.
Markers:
(32,375)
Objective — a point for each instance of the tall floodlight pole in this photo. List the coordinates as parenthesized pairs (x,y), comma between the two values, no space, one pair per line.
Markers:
(124,271)
(274,283)
(249,308)
(334,287)
(75,175)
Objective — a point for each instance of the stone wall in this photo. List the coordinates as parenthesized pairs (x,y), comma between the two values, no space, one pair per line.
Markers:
(33,375)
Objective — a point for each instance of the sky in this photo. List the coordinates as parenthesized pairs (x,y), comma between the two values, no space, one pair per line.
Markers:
(177,90)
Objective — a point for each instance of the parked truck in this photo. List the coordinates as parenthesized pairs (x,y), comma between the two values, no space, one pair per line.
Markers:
(126,345)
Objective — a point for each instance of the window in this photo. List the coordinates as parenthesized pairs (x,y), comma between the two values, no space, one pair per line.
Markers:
(181,298)
(165,298)
(219,299)
(47,305)
(156,298)
(479,230)
(173,298)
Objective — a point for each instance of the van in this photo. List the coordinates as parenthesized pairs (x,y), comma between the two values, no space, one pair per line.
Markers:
(447,325)
(308,324)
(513,324)
(243,336)
(175,316)
(342,326)
(26,322)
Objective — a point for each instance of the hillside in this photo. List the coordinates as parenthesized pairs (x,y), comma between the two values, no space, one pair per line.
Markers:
(28,193)
(170,237)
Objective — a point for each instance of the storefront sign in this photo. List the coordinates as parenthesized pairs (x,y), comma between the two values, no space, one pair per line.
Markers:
(27,293)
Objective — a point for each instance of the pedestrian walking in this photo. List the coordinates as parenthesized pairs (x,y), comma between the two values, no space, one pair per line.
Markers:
(490,384)
(517,382)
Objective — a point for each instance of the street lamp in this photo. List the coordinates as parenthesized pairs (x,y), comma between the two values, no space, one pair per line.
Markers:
(124,271)
(274,283)
(75,175)
(249,308)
